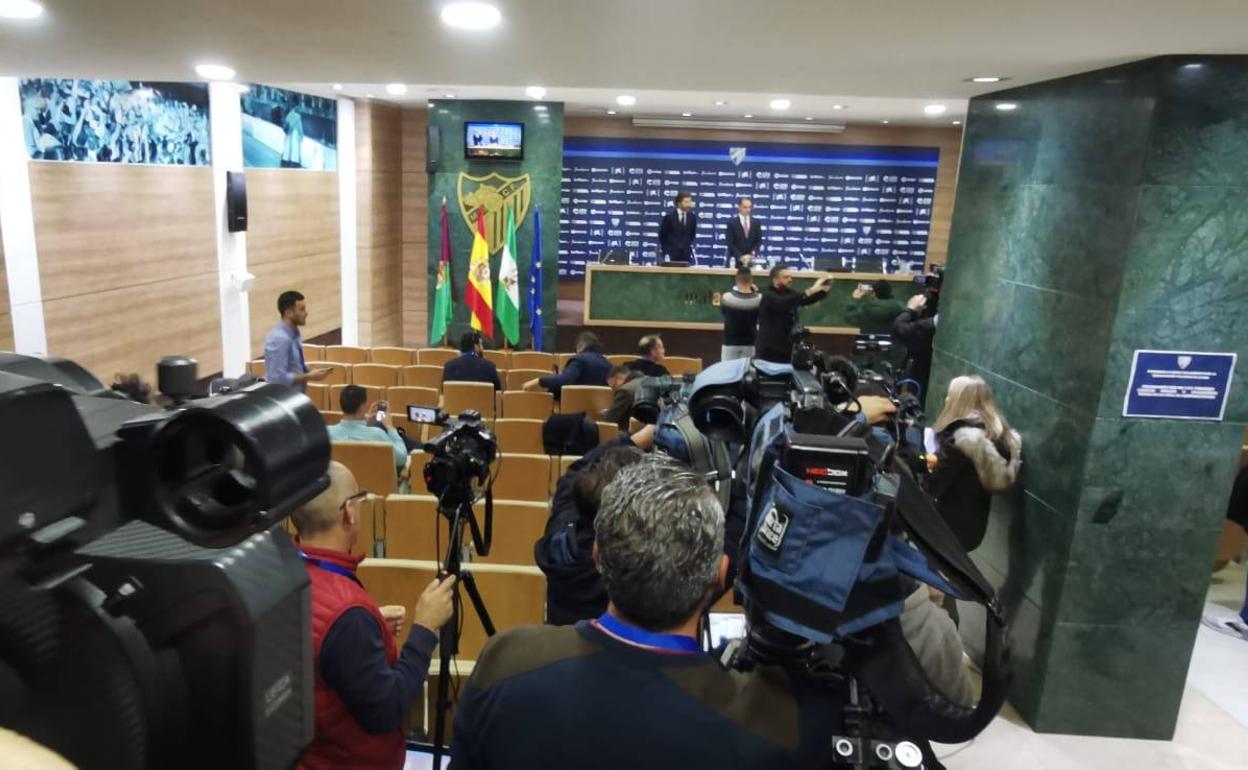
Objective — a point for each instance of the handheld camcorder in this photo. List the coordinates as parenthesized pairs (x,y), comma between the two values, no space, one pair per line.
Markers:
(151,613)
(838,527)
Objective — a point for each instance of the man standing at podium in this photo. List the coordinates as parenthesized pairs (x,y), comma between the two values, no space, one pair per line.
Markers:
(678,229)
(744,236)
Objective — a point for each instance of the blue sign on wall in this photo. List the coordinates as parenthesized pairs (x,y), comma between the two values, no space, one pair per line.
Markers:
(868,208)
(1179,386)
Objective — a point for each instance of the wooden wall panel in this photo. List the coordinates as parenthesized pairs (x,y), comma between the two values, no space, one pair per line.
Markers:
(128,264)
(6,317)
(293,243)
(415,194)
(379,222)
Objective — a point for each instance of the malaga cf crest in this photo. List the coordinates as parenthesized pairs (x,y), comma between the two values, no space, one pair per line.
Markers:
(496,195)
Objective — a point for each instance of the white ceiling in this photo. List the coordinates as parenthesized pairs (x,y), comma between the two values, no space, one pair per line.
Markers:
(883,59)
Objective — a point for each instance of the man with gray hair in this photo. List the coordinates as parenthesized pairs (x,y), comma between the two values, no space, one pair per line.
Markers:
(633,687)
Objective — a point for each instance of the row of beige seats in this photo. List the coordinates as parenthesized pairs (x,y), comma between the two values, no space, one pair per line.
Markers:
(515,435)
(418,376)
(503,359)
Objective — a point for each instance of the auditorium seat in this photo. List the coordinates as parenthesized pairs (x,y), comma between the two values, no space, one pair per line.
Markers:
(381,375)
(256,367)
(423,376)
(522,477)
(393,356)
(517,377)
(435,356)
(679,365)
(564,358)
(331,416)
(533,359)
(565,462)
(371,462)
(591,399)
(607,431)
(458,396)
(349,354)
(620,360)
(374,394)
(517,527)
(519,436)
(318,394)
(341,374)
(500,358)
(313,352)
(370,511)
(407,526)
(535,405)
(402,396)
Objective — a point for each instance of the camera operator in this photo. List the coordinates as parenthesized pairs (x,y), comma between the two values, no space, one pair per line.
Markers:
(633,688)
(916,330)
(777,313)
(623,383)
(365,686)
(874,308)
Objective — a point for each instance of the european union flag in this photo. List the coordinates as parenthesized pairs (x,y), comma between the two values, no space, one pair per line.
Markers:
(535,282)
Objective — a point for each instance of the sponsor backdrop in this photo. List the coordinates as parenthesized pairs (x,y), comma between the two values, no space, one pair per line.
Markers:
(288,129)
(860,207)
(116,121)
(496,187)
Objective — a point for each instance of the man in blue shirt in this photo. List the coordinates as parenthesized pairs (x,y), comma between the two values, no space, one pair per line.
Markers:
(588,367)
(470,365)
(283,348)
(360,425)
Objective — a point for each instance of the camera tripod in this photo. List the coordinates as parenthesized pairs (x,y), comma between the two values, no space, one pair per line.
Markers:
(459,514)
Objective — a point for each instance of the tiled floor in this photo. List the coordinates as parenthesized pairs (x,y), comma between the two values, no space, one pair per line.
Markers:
(1213,721)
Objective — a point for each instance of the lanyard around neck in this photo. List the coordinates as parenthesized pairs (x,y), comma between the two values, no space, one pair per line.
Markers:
(329,567)
(637,637)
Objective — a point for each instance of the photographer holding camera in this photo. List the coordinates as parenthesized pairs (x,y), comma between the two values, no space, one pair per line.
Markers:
(635,679)
(915,327)
(365,686)
(777,313)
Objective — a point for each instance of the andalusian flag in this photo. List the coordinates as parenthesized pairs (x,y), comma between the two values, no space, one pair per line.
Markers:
(477,294)
(508,301)
(443,304)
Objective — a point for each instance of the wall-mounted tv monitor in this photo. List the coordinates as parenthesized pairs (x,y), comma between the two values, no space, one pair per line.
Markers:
(493,141)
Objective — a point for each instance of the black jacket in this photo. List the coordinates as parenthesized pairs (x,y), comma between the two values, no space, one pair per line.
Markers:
(741,243)
(675,240)
(470,367)
(589,367)
(916,333)
(648,367)
(740,316)
(969,469)
(777,315)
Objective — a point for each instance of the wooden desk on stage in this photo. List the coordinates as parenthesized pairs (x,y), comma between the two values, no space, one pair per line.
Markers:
(688,298)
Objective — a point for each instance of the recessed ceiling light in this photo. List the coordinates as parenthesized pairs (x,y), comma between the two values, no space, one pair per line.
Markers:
(885,122)
(686,114)
(214,71)
(957,122)
(535,92)
(20,9)
(337,86)
(396,89)
(747,115)
(986,79)
(610,112)
(430,105)
(838,106)
(1007,106)
(720,102)
(781,104)
(474,16)
(934,109)
(808,117)
(624,100)
(449,95)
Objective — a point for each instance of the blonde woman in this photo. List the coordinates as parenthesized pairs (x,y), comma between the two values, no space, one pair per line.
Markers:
(978,454)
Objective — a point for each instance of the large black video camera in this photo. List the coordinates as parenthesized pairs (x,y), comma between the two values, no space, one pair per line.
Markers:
(462,454)
(838,527)
(151,615)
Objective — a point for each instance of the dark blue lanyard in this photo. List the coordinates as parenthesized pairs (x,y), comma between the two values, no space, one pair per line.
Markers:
(666,642)
(328,567)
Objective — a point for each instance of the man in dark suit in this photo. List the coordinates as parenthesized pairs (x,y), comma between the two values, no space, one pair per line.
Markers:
(471,365)
(588,367)
(744,236)
(678,230)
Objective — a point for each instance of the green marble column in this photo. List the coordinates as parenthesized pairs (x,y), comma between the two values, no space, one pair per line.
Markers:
(543,162)
(1107,212)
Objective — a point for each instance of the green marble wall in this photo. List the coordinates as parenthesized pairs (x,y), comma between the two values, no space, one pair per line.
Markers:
(662,296)
(1107,213)
(543,161)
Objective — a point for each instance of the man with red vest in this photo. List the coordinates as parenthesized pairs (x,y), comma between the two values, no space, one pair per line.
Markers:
(365,686)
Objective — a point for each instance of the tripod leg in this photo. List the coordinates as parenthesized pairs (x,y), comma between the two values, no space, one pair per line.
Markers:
(470,585)
(448,645)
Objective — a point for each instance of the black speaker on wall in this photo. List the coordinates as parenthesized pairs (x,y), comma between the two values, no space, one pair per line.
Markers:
(235,201)
(433,148)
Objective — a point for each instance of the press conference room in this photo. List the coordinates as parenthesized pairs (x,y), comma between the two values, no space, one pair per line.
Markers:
(496,384)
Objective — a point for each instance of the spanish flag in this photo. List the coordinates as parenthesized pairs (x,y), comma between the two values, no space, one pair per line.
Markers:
(477,292)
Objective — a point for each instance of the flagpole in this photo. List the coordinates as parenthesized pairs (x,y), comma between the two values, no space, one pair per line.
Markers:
(446,337)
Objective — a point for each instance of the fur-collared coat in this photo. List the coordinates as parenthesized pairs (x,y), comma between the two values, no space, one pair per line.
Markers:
(971,467)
